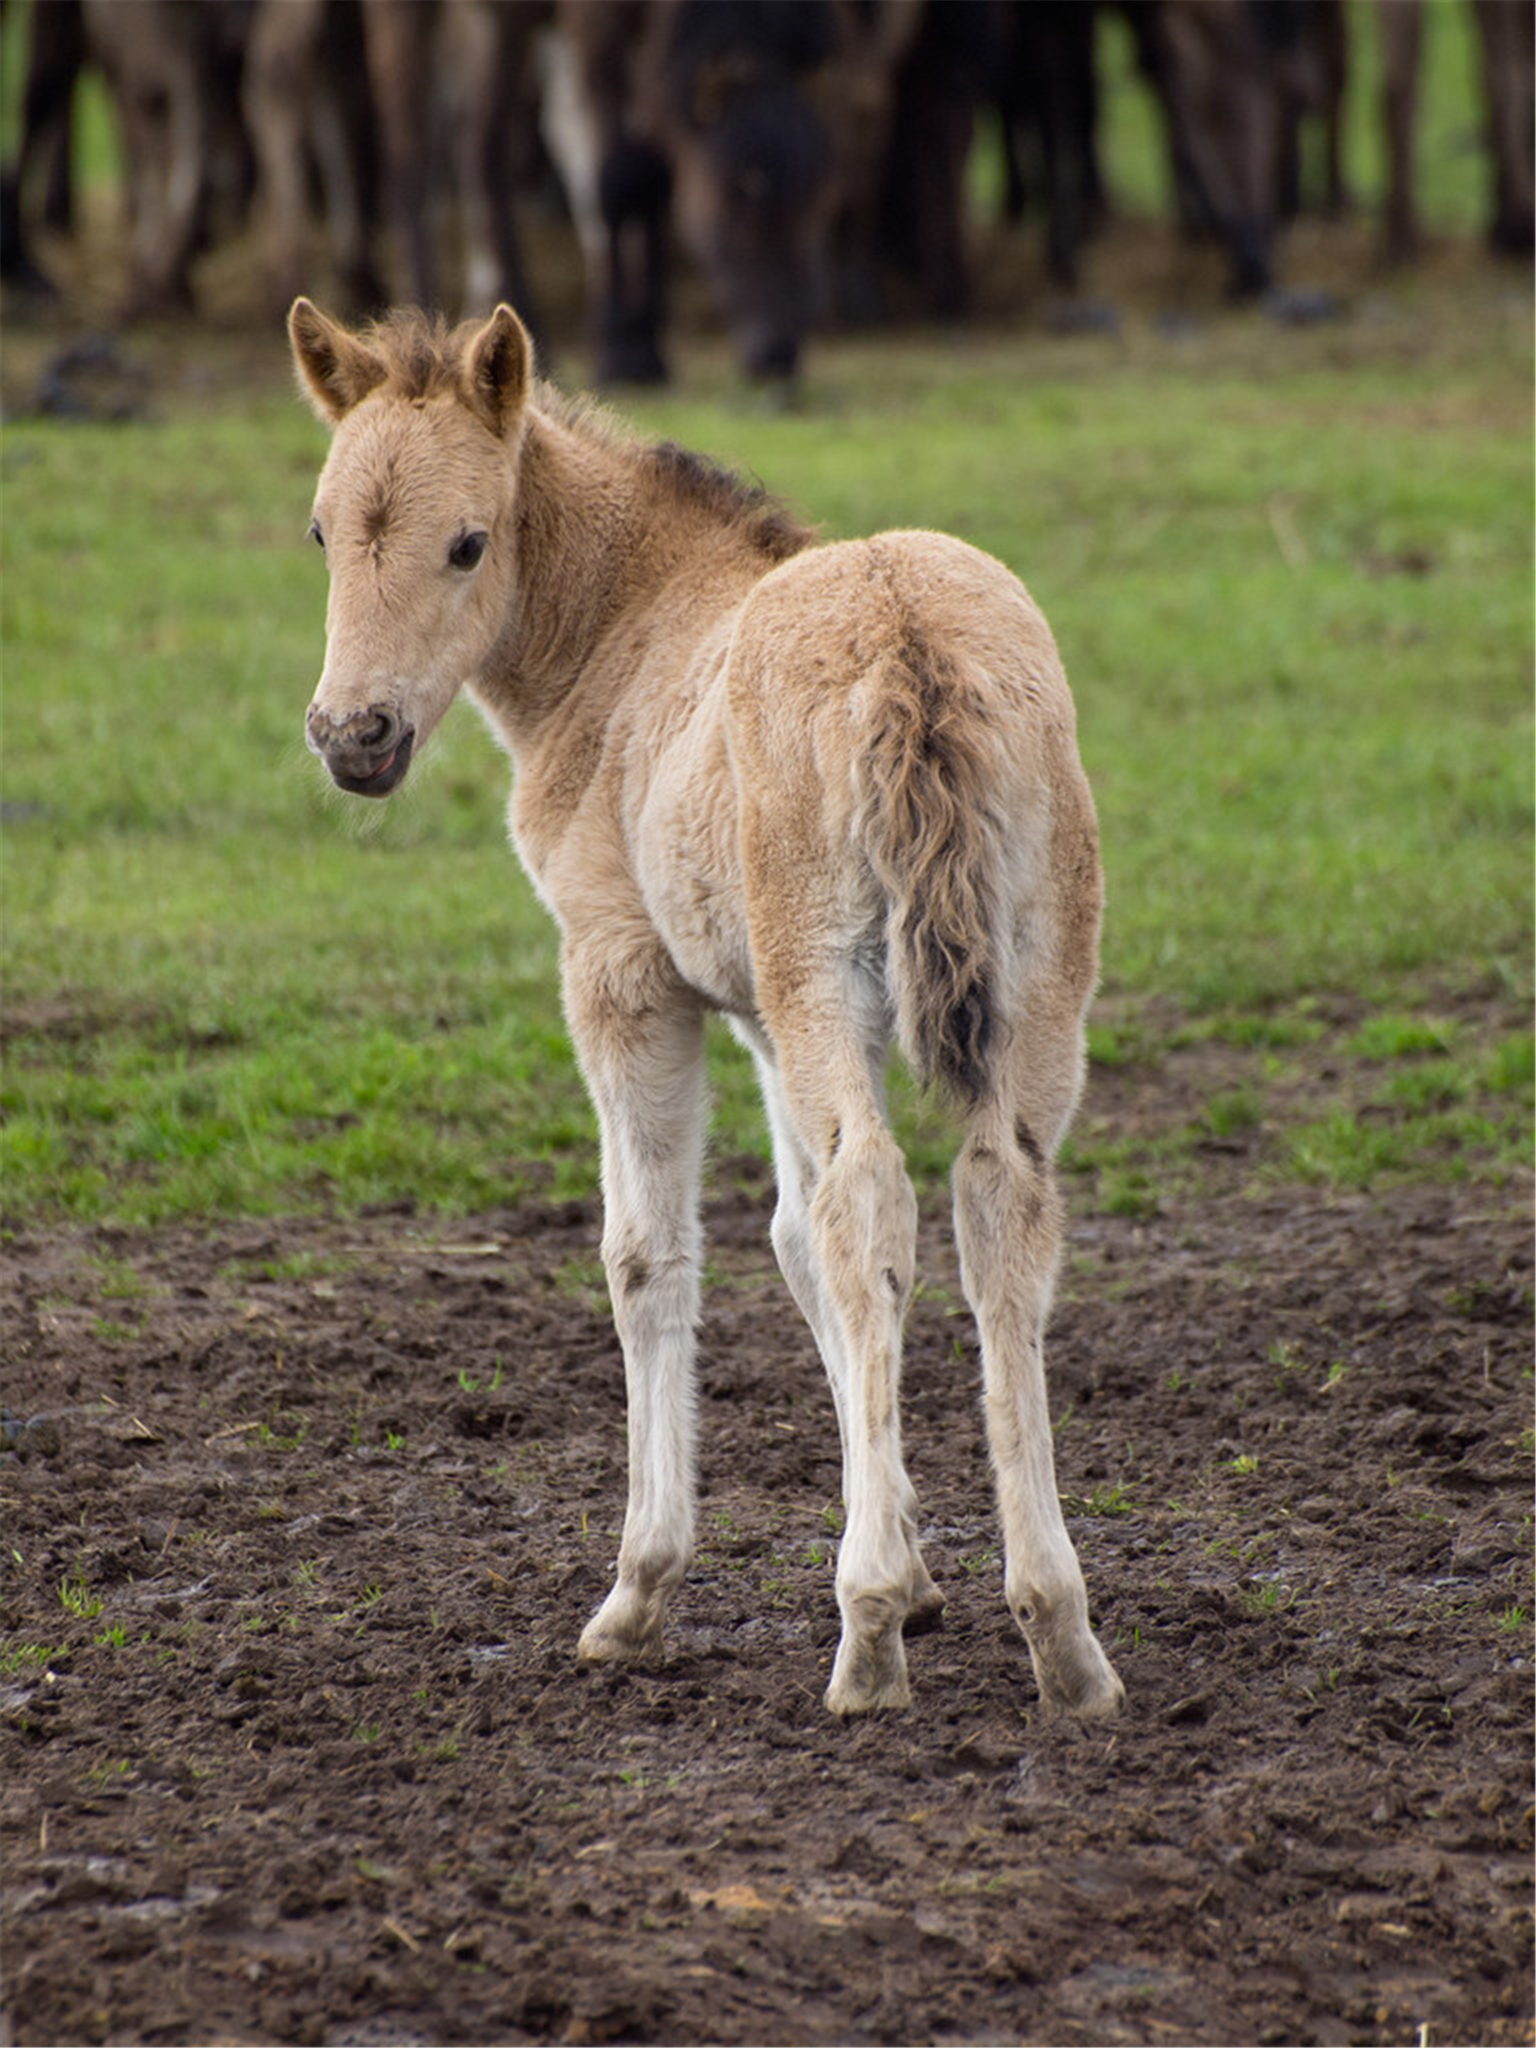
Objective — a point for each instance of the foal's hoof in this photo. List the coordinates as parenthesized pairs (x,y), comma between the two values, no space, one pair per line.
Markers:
(870,1676)
(1082,1682)
(597,1647)
(614,1636)
(926,1612)
(925,1603)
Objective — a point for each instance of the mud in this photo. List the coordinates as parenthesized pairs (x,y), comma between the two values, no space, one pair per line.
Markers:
(301,1521)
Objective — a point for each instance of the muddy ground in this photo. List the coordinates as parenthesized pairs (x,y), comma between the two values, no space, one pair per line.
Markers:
(301,1521)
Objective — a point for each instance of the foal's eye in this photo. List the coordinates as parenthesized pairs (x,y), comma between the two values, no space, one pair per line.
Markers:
(467,550)
(316,535)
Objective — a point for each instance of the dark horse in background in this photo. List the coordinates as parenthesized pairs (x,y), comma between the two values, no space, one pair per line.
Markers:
(805,155)
(702,111)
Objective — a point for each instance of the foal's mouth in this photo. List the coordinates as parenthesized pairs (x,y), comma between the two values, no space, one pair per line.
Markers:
(389,774)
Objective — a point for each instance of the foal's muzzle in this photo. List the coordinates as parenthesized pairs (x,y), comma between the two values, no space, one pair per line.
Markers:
(367,752)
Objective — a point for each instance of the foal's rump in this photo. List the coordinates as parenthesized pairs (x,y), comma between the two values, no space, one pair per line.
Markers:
(907,770)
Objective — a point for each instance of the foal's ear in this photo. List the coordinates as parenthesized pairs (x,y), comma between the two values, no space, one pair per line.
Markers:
(498,365)
(336,369)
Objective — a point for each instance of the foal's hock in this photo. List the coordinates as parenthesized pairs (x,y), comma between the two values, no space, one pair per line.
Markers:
(831,791)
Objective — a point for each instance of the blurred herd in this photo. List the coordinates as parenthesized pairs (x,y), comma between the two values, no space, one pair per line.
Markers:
(810,157)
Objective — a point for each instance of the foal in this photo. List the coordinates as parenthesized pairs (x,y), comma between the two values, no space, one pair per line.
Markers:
(831,791)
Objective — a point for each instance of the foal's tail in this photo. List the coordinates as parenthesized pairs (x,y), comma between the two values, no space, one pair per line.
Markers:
(929,825)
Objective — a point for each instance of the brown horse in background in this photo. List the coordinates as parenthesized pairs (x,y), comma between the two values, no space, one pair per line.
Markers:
(831,791)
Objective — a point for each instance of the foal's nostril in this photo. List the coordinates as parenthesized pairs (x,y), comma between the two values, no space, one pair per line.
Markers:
(367,751)
(372,731)
(378,731)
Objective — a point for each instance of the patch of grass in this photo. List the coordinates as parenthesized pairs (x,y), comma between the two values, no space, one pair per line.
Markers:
(229,992)
(1122,1042)
(108,1775)
(1329,1116)
(1107,1499)
(1126,1191)
(118,1281)
(1421,1141)
(295,1266)
(471,1383)
(112,1332)
(1394,1037)
(1296,1025)
(1430,1085)
(1266,1597)
(268,1436)
(20,1657)
(1509,1067)
(1447,1103)
(978,1562)
(77,1599)
(1234,1110)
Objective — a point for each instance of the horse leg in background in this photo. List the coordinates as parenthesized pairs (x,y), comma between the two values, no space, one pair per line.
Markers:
(1506,38)
(398,48)
(156,65)
(641,1047)
(489,56)
(1400,30)
(277,91)
(794,1244)
(634,184)
(1008,1225)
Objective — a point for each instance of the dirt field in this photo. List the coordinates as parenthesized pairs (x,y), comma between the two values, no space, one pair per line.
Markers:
(302,1520)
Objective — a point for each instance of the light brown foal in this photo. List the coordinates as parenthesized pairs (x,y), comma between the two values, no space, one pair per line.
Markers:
(831,791)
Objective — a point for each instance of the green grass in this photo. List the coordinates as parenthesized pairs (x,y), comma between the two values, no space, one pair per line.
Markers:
(1290,575)
(1291,580)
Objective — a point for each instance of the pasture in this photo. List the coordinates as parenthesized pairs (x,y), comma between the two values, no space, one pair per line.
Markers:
(314,1453)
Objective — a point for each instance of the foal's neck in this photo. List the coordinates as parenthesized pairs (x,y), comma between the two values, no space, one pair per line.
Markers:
(597,538)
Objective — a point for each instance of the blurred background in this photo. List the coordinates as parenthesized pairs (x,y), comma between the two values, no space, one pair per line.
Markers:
(768,171)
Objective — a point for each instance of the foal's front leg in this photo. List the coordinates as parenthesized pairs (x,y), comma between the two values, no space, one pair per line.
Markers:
(645,1070)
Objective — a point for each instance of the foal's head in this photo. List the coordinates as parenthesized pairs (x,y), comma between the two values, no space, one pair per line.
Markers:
(414,510)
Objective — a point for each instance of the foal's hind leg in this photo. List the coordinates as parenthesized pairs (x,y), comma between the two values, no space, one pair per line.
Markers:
(641,1047)
(794,1244)
(854,1271)
(1008,1224)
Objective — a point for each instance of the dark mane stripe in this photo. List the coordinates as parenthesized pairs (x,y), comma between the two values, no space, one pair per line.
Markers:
(734,500)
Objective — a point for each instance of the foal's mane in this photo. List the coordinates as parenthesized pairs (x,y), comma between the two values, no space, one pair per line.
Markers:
(422,356)
(736,501)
